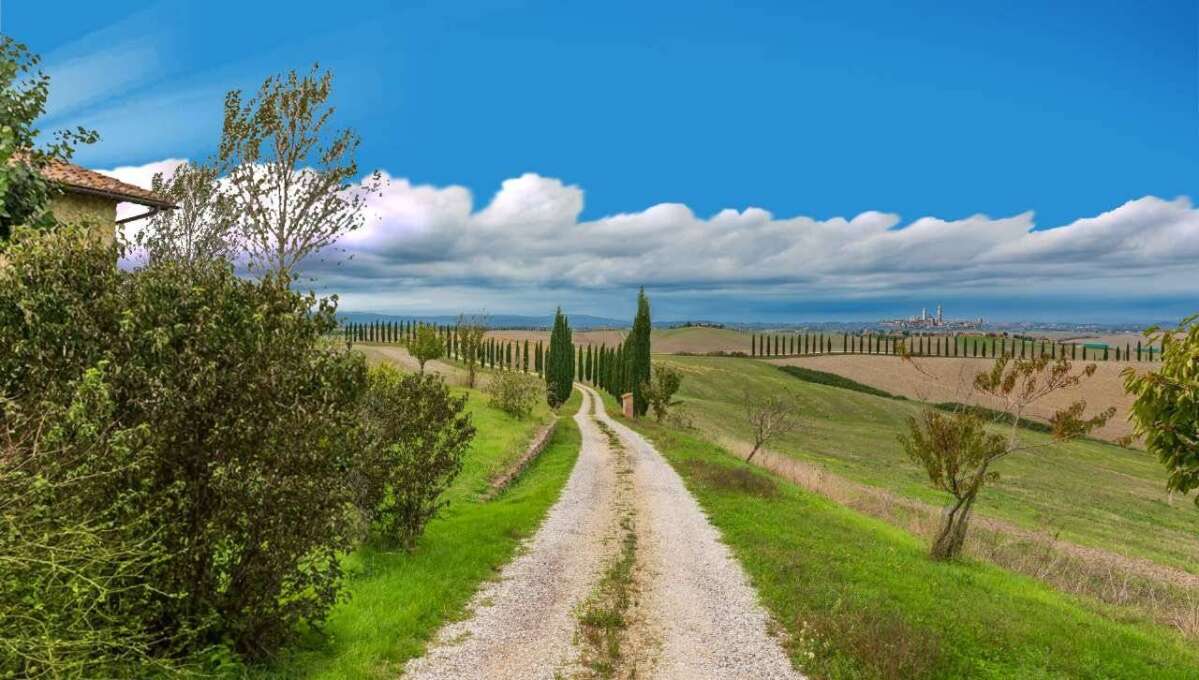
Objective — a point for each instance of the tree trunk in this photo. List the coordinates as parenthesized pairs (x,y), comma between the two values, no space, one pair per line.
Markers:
(951,535)
(751,453)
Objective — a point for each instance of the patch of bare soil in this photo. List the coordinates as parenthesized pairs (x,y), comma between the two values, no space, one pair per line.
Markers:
(951,379)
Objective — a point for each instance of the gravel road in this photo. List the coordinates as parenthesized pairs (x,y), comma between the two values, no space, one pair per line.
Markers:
(696,615)
(694,594)
(523,623)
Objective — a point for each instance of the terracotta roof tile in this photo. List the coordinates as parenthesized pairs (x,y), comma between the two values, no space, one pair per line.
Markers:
(76,178)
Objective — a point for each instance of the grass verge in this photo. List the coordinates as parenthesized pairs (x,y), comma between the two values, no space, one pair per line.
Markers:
(398,600)
(860,598)
(1086,492)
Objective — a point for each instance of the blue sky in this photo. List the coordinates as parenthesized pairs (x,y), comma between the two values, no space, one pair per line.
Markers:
(1058,112)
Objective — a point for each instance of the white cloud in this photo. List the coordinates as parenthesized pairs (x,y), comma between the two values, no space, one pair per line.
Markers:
(529,236)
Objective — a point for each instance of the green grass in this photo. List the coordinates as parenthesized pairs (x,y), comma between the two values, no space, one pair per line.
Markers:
(399,600)
(860,598)
(1093,493)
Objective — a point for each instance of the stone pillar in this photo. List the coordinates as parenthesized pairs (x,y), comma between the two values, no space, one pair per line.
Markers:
(626,404)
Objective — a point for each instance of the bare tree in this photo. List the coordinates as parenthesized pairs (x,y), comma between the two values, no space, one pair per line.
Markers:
(200,228)
(470,332)
(291,180)
(958,449)
(770,416)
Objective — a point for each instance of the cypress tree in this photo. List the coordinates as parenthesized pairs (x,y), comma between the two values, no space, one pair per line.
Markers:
(637,354)
(559,369)
(753,345)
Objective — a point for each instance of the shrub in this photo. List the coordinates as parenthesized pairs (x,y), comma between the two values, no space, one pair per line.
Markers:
(225,426)
(514,393)
(659,392)
(73,590)
(414,436)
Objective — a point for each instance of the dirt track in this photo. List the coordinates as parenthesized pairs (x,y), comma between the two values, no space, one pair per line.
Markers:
(950,380)
(696,615)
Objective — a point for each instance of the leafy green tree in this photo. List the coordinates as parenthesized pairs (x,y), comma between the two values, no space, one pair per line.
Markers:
(957,450)
(427,346)
(1165,410)
(291,180)
(23,91)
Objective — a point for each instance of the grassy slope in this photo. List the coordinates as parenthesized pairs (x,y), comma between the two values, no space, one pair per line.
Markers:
(1093,493)
(398,600)
(861,599)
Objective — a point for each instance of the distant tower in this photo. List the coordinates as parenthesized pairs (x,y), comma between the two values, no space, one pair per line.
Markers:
(939,318)
(924,313)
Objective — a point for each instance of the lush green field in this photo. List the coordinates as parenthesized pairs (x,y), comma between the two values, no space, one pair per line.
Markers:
(1092,493)
(399,600)
(861,599)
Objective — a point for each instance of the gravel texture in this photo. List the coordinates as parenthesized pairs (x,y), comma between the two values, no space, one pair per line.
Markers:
(523,623)
(695,615)
(694,595)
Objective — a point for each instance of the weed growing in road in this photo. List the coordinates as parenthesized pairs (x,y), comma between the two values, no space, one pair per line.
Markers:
(604,617)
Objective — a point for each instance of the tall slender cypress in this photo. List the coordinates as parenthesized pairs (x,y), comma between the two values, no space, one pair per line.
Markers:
(637,354)
(560,364)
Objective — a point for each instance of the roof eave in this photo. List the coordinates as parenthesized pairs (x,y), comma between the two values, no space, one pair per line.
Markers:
(119,197)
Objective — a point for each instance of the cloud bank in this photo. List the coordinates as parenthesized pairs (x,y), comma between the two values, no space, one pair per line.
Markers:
(529,242)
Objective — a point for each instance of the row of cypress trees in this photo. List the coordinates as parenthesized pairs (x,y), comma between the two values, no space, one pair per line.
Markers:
(941,345)
(388,331)
(626,367)
(617,370)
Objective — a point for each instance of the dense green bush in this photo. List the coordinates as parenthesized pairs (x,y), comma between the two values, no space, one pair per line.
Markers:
(414,436)
(73,588)
(514,393)
(189,422)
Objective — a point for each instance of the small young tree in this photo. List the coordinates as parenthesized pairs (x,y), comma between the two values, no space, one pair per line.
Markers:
(660,390)
(1165,412)
(770,416)
(427,346)
(470,331)
(291,179)
(958,450)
